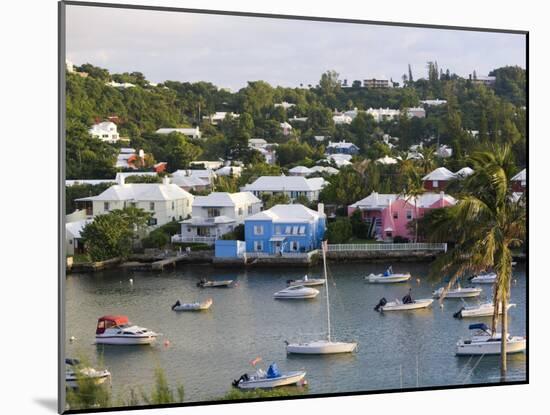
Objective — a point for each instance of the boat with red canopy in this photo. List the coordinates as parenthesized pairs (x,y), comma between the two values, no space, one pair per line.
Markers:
(117,329)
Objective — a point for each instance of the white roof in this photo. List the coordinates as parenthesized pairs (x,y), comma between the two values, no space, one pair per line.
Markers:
(341,144)
(141,192)
(227,170)
(87,181)
(104,126)
(185,131)
(300,170)
(340,157)
(286,125)
(285,183)
(323,169)
(287,213)
(202,173)
(521,176)
(188,181)
(465,171)
(441,173)
(74,228)
(387,160)
(225,199)
(257,141)
(381,201)
(200,221)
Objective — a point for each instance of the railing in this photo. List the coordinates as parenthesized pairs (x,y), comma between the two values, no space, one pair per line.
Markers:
(190,239)
(388,247)
(283,255)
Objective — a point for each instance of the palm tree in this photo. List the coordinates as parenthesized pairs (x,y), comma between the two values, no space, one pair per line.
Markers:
(414,188)
(486,224)
(427,161)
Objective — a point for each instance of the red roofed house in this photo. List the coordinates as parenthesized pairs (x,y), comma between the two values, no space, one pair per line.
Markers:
(519,182)
(438,179)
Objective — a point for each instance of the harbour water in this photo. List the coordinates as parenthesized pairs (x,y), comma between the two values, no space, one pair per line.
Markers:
(208,349)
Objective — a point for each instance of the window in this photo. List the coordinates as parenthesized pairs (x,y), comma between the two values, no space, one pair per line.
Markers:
(250,209)
(258,246)
(302,230)
(435,183)
(409,214)
(295,230)
(152,222)
(288,229)
(151,205)
(173,205)
(213,212)
(258,230)
(240,211)
(395,215)
(294,245)
(277,230)
(106,206)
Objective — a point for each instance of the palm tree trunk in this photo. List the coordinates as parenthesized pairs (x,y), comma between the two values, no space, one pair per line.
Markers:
(504,336)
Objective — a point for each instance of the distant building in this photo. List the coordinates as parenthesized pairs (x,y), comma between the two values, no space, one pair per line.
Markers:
(73,236)
(291,186)
(438,179)
(417,112)
(444,151)
(323,169)
(300,171)
(257,143)
(285,229)
(519,182)
(235,171)
(191,183)
(433,102)
(105,131)
(383,114)
(207,175)
(386,160)
(266,149)
(286,127)
(212,165)
(484,80)
(388,215)
(128,158)
(189,132)
(69,66)
(218,117)
(377,83)
(123,85)
(341,147)
(341,119)
(340,160)
(284,104)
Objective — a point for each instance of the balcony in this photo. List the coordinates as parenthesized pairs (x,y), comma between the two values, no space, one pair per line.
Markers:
(194,239)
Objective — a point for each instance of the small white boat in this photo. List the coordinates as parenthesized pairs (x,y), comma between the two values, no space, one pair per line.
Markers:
(297,292)
(483,342)
(458,292)
(399,305)
(215,284)
(481,310)
(387,279)
(270,379)
(321,347)
(306,282)
(74,373)
(485,278)
(117,330)
(205,305)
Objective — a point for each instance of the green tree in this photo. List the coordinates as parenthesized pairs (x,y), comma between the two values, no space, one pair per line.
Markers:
(270,200)
(339,231)
(344,188)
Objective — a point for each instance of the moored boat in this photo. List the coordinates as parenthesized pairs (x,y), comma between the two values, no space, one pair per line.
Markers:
(485,278)
(480,310)
(388,277)
(214,284)
(399,305)
(458,292)
(75,373)
(483,342)
(296,292)
(270,379)
(197,306)
(117,330)
(306,282)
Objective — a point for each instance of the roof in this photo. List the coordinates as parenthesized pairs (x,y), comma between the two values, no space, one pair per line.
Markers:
(200,221)
(376,200)
(225,199)
(287,213)
(465,171)
(441,173)
(257,141)
(74,228)
(387,160)
(521,176)
(381,200)
(185,131)
(118,319)
(323,169)
(300,170)
(285,183)
(341,144)
(188,181)
(227,170)
(141,192)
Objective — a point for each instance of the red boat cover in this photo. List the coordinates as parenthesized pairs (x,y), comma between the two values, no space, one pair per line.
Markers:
(106,322)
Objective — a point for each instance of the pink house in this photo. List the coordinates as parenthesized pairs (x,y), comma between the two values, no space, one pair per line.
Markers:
(388,215)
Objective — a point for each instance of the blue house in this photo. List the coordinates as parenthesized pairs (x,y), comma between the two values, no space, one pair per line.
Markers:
(342,147)
(285,228)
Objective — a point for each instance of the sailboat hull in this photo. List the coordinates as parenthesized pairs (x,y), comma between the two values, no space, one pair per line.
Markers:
(321,347)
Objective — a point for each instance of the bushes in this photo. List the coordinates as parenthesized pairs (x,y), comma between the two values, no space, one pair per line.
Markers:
(236,235)
(339,231)
(359,228)
(161,236)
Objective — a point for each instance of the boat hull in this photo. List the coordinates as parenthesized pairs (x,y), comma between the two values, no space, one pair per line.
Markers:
(483,311)
(269,383)
(71,380)
(381,279)
(463,293)
(514,345)
(418,304)
(125,340)
(308,283)
(321,347)
(295,297)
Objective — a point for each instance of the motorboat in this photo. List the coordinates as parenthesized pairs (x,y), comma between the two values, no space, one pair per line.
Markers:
(214,284)
(297,292)
(399,305)
(486,309)
(458,292)
(117,330)
(198,306)
(307,282)
(270,379)
(74,372)
(388,277)
(322,346)
(483,342)
(485,278)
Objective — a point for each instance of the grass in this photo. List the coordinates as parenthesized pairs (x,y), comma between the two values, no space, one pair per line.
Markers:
(81,258)
(262,394)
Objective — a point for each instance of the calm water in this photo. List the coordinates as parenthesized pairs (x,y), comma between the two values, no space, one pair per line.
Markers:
(209,349)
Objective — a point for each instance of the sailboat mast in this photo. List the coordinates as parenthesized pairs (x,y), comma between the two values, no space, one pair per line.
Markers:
(324,245)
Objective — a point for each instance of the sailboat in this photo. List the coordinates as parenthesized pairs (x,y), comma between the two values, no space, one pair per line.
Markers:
(322,346)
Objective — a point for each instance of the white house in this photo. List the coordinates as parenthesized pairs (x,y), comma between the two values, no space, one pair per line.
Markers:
(383,114)
(189,132)
(73,236)
(444,151)
(433,102)
(286,127)
(322,169)
(257,143)
(207,175)
(167,202)
(123,175)
(123,85)
(230,171)
(291,186)
(341,119)
(300,171)
(417,112)
(387,160)
(212,165)
(189,183)
(266,149)
(219,116)
(217,214)
(105,131)
(284,104)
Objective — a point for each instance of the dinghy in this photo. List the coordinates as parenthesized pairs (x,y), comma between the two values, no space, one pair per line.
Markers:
(214,284)
(322,346)
(296,292)
(388,277)
(398,305)
(458,292)
(483,342)
(481,310)
(306,282)
(205,305)
(270,379)
(117,330)
(74,372)
(485,278)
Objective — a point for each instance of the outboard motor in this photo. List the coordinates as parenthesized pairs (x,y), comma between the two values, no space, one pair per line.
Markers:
(458,314)
(380,304)
(243,378)
(289,282)
(176,305)
(201,282)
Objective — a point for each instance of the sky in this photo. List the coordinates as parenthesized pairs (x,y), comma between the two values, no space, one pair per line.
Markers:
(229,51)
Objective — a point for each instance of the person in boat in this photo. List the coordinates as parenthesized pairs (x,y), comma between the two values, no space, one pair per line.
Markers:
(408,298)
(388,272)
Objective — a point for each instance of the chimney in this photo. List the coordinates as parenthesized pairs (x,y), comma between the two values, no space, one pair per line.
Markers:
(166,180)
(321,208)
(120,179)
